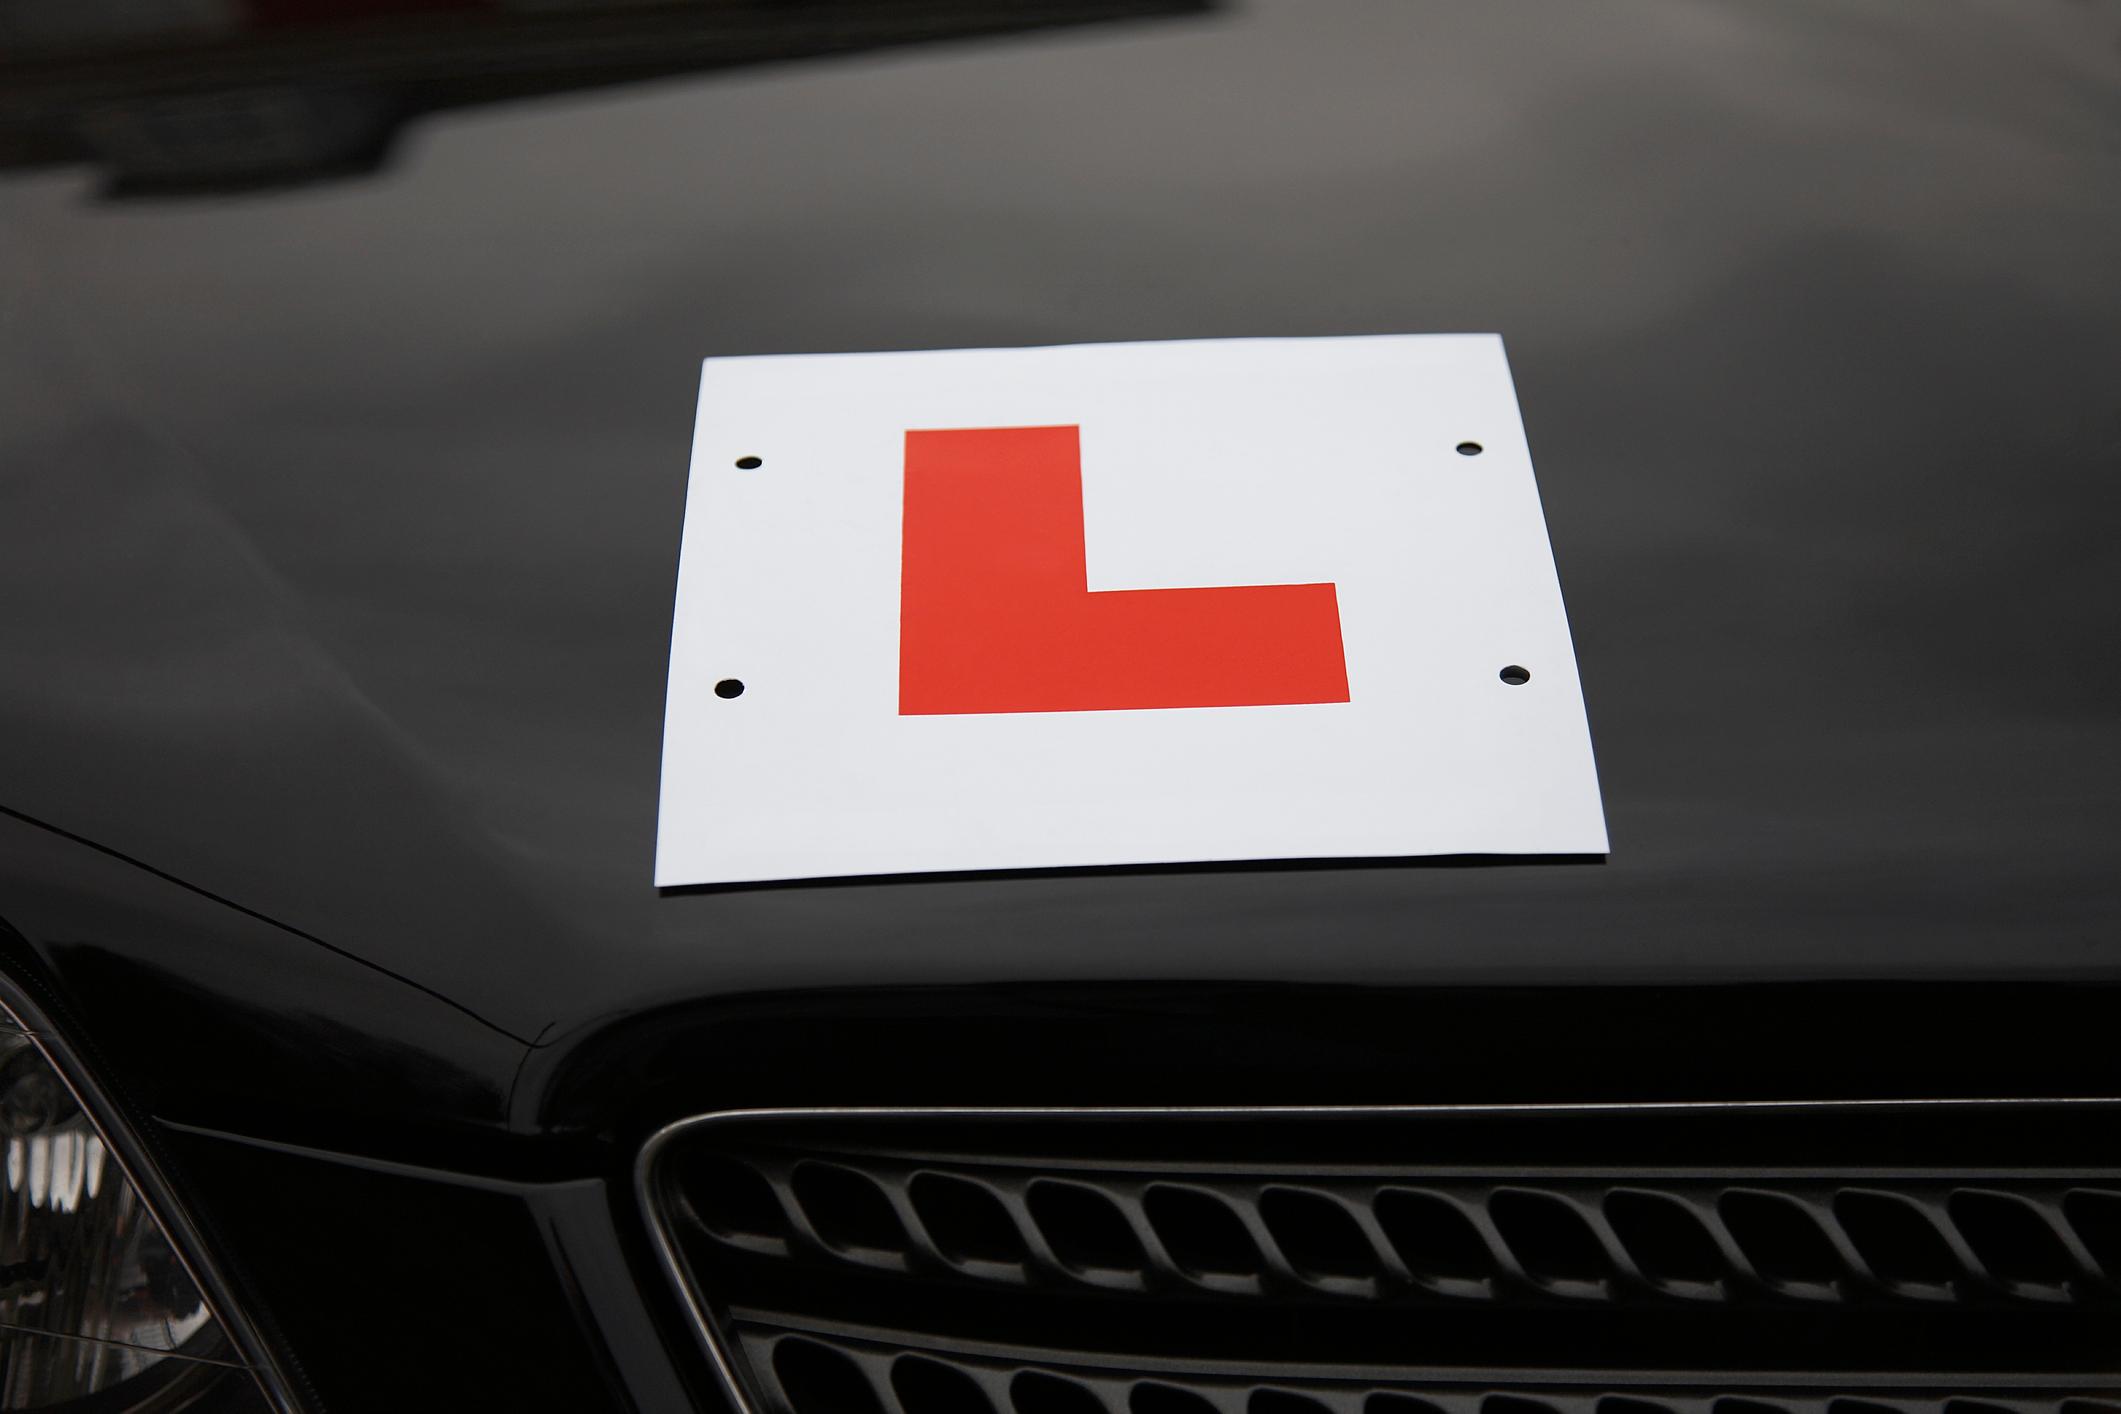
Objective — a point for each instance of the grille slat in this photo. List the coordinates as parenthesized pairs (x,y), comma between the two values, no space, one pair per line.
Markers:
(1792,1241)
(1113,1387)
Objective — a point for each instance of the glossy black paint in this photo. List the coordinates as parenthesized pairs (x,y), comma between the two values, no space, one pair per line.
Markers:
(338,528)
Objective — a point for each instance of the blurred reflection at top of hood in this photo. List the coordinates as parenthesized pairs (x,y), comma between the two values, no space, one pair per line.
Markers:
(171,97)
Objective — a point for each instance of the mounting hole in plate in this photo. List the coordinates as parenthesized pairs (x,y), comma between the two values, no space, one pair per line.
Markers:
(1465,449)
(748,463)
(1513,675)
(734,687)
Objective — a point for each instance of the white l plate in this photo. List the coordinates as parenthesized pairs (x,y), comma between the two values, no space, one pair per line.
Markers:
(1010,720)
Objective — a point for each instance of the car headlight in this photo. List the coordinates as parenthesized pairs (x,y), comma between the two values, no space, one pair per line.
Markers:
(99,1308)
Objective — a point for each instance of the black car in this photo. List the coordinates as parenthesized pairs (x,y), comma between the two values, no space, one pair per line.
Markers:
(351,1058)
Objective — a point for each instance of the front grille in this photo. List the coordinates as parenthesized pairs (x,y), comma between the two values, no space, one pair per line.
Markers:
(1839,1260)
